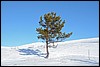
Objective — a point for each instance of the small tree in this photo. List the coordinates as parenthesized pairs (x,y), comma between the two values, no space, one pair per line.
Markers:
(50,29)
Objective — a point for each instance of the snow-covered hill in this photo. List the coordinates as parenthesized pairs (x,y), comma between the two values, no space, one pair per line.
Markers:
(83,52)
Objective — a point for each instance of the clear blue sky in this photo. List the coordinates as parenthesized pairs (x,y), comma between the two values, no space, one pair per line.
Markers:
(19,19)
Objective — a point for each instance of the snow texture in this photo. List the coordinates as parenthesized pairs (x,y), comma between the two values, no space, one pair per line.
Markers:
(83,52)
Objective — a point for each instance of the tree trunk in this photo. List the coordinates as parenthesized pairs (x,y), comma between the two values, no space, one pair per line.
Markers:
(47,49)
(53,43)
(47,42)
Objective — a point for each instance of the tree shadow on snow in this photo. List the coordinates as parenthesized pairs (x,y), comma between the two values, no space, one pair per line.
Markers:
(31,52)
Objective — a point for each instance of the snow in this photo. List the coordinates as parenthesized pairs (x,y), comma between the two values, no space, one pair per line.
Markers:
(82,52)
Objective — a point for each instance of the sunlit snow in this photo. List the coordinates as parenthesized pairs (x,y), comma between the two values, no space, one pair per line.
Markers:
(82,52)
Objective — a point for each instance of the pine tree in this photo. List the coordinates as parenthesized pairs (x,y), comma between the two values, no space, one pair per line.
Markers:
(50,29)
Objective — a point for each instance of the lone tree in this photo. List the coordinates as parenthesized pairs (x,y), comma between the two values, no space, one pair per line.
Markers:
(50,29)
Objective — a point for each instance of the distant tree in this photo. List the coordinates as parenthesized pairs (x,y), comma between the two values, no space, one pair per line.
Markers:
(50,29)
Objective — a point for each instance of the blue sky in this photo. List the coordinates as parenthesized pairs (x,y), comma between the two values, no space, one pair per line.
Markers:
(19,19)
